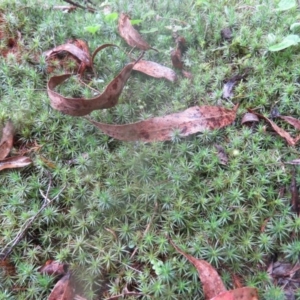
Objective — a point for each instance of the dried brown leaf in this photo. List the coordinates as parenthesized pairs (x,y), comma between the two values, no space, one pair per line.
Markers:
(192,120)
(249,118)
(211,281)
(187,74)
(15,162)
(230,84)
(54,268)
(245,293)
(277,129)
(6,142)
(222,155)
(292,121)
(82,106)
(155,70)
(176,58)
(78,49)
(130,35)
(62,290)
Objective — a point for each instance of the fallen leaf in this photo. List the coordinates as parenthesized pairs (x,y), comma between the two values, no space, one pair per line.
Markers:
(187,74)
(192,120)
(82,106)
(54,268)
(293,121)
(129,34)
(222,155)
(77,48)
(6,142)
(155,70)
(249,118)
(245,293)
(277,129)
(62,290)
(230,84)
(15,162)
(237,281)
(8,268)
(176,54)
(295,201)
(211,281)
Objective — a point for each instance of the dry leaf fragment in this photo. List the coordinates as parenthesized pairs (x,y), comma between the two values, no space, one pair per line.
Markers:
(211,281)
(292,121)
(62,290)
(6,142)
(15,162)
(54,268)
(277,129)
(230,84)
(129,34)
(176,54)
(82,106)
(245,293)
(155,70)
(192,120)
(222,155)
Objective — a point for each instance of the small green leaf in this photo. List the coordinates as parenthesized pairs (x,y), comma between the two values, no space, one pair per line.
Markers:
(288,41)
(295,27)
(286,4)
(111,17)
(151,30)
(135,22)
(92,29)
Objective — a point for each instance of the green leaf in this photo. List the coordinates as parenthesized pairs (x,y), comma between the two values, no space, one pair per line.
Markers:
(135,22)
(286,4)
(111,17)
(295,27)
(92,29)
(288,41)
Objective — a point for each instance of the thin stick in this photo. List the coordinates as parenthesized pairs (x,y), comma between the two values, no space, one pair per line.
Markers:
(82,82)
(80,6)
(28,223)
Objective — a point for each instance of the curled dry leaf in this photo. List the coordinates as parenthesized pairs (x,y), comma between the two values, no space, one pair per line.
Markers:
(63,289)
(210,279)
(78,49)
(277,129)
(192,120)
(54,268)
(155,70)
(6,142)
(129,34)
(249,118)
(82,106)
(15,162)
(245,293)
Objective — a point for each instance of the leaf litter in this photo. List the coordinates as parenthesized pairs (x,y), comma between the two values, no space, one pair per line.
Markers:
(213,286)
(6,145)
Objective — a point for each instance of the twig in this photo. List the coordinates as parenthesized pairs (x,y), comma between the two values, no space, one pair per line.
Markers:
(82,82)
(28,223)
(147,228)
(80,6)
